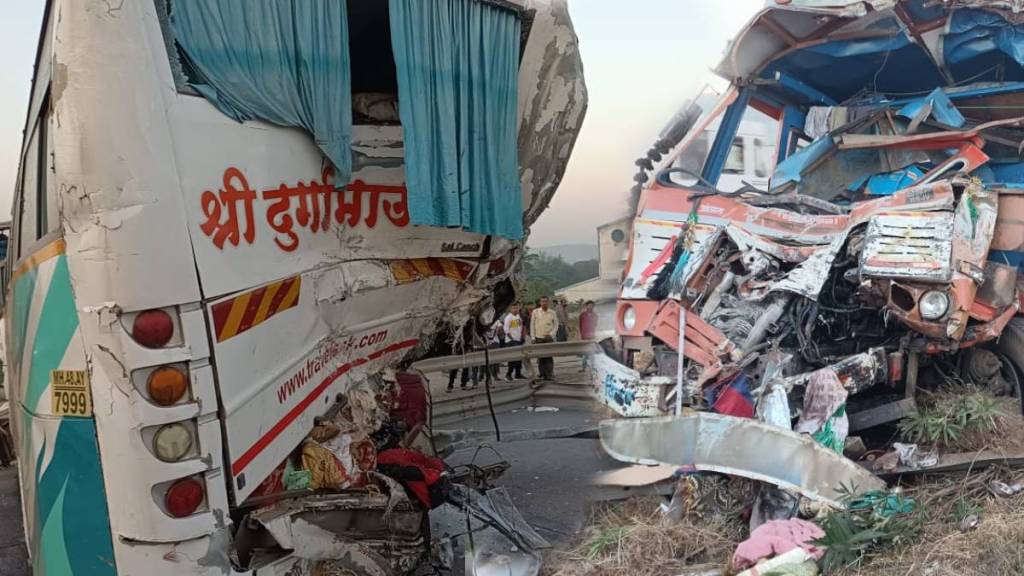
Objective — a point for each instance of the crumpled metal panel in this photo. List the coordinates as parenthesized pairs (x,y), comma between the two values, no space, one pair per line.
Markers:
(857,372)
(844,8)
(552,103)
(739,447)
(911,246)
(807,278)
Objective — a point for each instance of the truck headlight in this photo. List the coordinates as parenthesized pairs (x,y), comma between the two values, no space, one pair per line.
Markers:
(629,317)
(933,305)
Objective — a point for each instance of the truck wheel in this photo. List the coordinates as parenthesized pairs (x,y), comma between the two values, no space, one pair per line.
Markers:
(1010,350)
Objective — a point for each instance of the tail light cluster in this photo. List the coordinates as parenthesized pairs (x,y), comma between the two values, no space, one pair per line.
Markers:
(184,497)
(168,386)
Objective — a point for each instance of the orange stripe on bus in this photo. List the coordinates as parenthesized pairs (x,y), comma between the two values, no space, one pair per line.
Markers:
(51,250)
(245,311)
(264,309)
(234,320)
(291,298)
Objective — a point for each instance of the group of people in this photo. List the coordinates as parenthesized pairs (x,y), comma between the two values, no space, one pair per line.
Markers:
(539,323)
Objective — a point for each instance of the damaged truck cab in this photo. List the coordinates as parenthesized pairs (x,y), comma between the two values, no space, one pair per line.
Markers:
(234,221)
(888,239)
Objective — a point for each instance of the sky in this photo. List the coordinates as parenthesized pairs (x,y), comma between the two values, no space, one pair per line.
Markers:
(641,59)
(19,32)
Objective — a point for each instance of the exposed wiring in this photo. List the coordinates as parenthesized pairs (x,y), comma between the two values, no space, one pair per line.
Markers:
(487,387)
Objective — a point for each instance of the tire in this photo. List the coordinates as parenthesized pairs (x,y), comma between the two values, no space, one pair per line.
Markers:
(1011,346)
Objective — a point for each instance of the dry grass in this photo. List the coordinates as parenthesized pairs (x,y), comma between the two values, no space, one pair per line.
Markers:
(633,538)
(994,548)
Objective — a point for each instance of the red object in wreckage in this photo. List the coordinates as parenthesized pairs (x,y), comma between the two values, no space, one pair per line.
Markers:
(416,471)
(412,399)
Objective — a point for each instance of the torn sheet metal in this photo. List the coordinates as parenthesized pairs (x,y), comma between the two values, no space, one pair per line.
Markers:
(552,103)
(858,372)
(808,277)
(625,390)
(914,246)
(935,105)
(375,533)
(739,447)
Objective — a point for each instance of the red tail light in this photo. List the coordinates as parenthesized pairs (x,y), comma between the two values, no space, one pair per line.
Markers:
(153,328)
(184,497)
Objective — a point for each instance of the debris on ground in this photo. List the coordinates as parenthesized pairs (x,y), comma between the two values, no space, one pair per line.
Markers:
(635,538)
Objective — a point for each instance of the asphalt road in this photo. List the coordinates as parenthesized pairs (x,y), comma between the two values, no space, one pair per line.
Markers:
(549,479)
(13,558)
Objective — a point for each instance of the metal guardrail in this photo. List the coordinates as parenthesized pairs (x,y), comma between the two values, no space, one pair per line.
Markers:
(510,354)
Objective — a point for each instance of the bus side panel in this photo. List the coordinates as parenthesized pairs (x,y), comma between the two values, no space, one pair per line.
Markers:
(65,506)
(318,334)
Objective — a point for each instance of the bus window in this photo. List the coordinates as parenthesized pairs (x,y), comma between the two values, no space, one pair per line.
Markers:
(734,161)
(373,73)
(28,215)
(764,157)
(46,213)
(691,160)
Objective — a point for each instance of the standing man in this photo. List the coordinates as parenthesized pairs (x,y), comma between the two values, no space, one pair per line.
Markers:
(562,311)
(527,337)
(588,327)
(543,328)
(494,336)
(513,326)
(462,346)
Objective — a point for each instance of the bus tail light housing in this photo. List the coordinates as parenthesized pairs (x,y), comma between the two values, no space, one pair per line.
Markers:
(153,328)
(172,442)
(184,497)
(166,385)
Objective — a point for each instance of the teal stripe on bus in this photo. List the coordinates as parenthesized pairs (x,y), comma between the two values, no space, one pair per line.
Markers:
(58,321)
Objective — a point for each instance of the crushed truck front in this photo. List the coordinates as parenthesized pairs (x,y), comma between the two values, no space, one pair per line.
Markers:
(888,239)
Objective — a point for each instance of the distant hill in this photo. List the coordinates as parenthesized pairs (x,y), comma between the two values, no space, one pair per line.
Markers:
(571,253)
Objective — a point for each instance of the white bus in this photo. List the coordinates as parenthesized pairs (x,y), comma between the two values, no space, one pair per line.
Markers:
(183,298)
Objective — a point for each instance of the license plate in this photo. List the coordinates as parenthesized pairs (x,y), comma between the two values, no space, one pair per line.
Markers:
(70,393)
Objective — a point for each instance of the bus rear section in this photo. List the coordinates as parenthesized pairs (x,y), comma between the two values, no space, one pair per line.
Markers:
(213,286)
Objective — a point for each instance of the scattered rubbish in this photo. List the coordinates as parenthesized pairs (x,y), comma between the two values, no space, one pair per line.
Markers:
(969,522)
(541,409)
(881,504)
(887,462)
(1003,489)
(854,447)
(776,538)
(796,562)
(911,457)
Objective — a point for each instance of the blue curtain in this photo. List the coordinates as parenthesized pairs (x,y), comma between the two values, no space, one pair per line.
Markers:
(283,61)
(457,64)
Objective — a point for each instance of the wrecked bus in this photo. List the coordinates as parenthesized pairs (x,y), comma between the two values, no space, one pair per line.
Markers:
(233,218)
(888,241)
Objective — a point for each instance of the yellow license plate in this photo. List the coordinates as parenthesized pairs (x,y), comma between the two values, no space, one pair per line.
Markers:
(70,393)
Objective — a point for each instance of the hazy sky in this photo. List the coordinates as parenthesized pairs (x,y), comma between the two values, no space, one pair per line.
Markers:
(642,59)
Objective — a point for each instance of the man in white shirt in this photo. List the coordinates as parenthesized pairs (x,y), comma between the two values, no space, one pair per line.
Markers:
(543,327)
(494,335)
(513,326)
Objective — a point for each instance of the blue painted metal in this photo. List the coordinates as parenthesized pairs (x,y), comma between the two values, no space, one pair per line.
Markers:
(942,109)
(954,94)
(1007,257)
(793,119)
(723,138)
(811,93)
